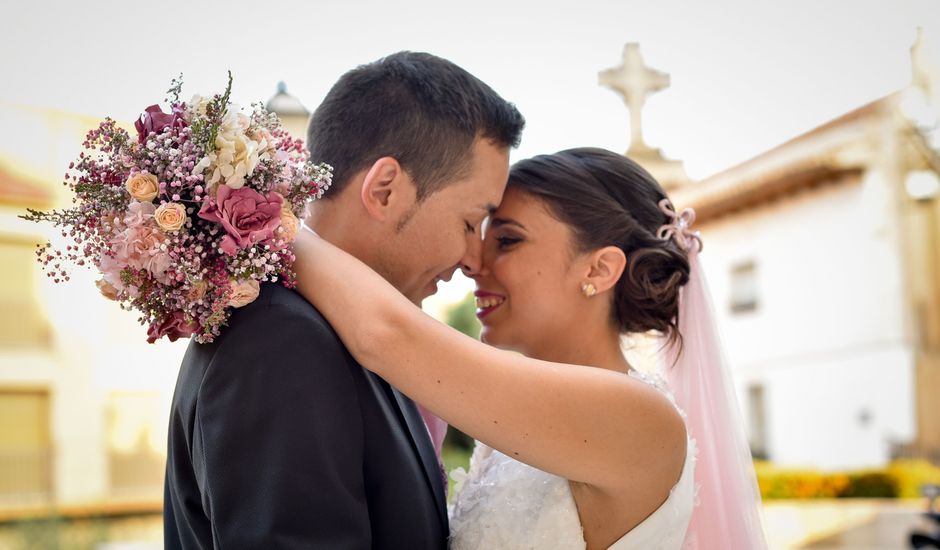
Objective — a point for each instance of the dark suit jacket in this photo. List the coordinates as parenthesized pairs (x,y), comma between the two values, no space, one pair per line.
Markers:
(279,439)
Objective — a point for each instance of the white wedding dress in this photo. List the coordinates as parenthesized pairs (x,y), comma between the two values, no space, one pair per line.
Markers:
(507,505)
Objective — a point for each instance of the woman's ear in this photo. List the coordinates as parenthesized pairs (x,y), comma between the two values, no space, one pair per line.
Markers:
(387,190)
(606,266)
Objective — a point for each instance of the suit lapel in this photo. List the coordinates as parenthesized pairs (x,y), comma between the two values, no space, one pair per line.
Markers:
(420,442)
(425,448)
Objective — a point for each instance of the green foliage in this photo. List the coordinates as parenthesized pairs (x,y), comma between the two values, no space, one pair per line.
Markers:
(454,457)
(55,532)
(463,317)
(871,485)
(176,88)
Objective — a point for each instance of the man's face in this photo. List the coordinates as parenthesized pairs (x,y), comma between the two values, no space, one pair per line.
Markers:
(442,234)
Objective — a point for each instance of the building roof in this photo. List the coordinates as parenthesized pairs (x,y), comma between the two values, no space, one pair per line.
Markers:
(830,151)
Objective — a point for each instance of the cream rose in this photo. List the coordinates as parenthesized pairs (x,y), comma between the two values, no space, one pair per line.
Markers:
(197,290)
(107,289)
(143,186)
(170,216)
(289,223)
(244,292)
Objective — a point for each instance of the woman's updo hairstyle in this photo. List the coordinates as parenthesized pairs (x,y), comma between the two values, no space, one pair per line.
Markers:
(609,200)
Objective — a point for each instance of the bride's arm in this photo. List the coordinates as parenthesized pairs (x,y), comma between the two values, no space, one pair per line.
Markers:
(585,424)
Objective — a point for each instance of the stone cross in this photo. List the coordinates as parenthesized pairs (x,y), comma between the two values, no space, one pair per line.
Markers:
(634,81)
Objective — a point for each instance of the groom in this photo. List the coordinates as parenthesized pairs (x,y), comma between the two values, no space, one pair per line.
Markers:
(278,438)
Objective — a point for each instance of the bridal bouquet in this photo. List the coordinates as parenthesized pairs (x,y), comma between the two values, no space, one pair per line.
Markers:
(185,219)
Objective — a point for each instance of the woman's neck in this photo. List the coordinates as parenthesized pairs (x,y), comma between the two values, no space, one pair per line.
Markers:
(603,350)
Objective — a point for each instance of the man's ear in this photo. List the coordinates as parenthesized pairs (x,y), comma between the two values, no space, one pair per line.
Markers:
(387,190)
(606,266)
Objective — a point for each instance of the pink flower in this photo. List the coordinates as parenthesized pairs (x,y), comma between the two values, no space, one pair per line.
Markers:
(107,289)
(111,273)
(243,292)
(174,326)
(247,216)
(140,247)
(138,213)
(159,266)
(155,120)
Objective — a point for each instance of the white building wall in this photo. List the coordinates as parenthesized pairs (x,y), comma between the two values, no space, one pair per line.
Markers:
(98,350)
(827,340)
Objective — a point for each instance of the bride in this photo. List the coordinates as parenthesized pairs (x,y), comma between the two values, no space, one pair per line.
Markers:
(576,448)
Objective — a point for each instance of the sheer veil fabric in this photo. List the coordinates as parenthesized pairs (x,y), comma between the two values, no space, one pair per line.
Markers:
(728,510)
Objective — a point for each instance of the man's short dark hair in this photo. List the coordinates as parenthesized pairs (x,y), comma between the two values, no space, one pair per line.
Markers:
(419,109)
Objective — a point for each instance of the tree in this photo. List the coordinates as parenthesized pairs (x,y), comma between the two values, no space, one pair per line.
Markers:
(463,317)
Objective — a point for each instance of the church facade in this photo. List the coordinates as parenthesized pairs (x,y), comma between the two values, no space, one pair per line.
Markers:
(823,256)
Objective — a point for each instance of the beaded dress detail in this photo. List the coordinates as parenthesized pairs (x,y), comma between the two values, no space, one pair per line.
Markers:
(503,503)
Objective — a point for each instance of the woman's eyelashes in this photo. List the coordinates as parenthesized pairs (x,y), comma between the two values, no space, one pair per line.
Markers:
(504,242)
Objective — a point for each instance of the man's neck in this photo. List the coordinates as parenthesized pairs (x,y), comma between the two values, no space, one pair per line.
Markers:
(328,221)
(336,226)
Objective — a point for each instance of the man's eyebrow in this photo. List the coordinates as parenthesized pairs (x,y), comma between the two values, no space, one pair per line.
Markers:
(490,208)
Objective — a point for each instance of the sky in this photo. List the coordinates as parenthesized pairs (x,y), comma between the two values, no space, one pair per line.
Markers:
(746,76)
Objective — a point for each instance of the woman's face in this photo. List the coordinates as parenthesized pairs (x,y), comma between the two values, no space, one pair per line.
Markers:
(529,286)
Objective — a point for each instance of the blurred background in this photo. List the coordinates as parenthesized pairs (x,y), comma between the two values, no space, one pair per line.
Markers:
(805,134)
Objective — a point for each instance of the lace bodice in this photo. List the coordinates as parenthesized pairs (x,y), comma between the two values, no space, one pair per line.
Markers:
(503,503)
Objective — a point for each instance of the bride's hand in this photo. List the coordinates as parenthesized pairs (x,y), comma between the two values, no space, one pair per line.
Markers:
(304,243)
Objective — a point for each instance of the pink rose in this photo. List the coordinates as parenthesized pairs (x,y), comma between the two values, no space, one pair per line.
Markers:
(174,327)
(247,216)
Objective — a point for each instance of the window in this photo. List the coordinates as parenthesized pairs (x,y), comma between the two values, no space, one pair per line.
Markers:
(25,447)
(757,421)
(744,287)
(22,324)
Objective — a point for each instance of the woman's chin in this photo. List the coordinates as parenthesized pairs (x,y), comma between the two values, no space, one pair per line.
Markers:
(489,336)
(494,337)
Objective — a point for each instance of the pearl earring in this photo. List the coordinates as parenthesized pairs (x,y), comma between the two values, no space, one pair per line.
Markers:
(588,289)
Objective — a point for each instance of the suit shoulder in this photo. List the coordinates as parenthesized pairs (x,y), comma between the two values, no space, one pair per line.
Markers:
(279,332)
(283,309)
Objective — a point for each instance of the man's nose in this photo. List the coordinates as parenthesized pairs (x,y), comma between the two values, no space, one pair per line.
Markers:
(472,261)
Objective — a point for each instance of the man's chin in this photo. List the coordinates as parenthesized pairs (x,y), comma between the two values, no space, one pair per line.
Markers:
(417,298)
(429,290)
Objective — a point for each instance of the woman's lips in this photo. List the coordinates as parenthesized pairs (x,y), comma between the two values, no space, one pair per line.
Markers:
(487,302)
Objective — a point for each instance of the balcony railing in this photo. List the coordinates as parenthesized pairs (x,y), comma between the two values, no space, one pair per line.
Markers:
(25,477)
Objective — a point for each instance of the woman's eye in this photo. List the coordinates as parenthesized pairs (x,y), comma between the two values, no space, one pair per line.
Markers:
(506,242)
